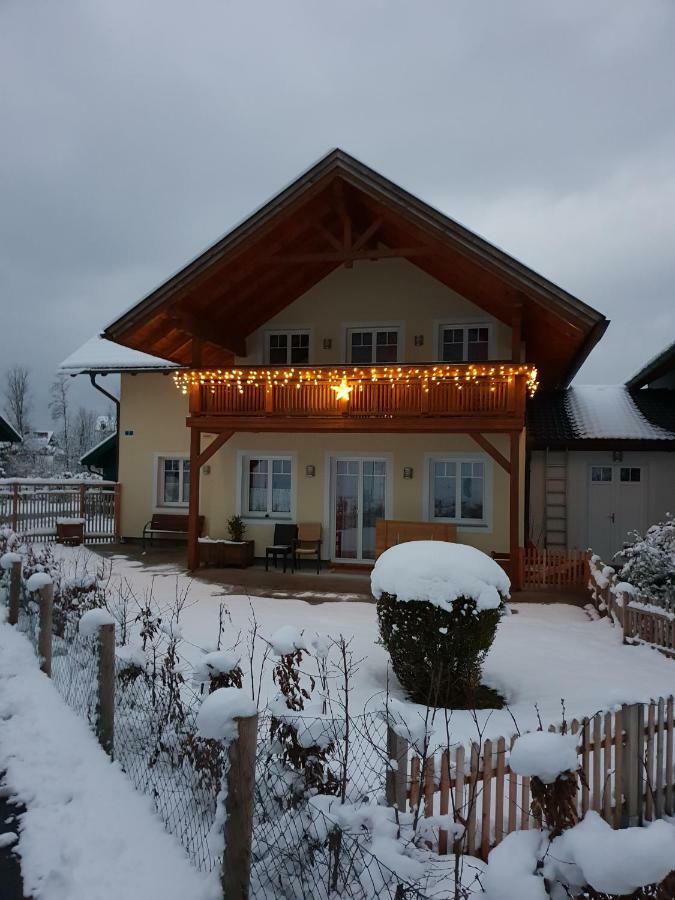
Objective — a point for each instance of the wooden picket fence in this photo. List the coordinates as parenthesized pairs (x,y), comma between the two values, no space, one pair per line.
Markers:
(627,775)
(554,568)
(32,508)
(640,621)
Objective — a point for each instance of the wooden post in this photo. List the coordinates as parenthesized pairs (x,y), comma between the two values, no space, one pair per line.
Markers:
(517,334)
(117,512)
(14,593)
(15,506)
(633,718)
(45,628)
(83,500)
(514,513)
(193,507)
(238,831)
(105,725)
(397,770)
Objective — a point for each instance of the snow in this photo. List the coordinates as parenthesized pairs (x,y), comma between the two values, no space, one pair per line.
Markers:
(440,573)
(609,411)
(613,862)
(8,839)
(7,559)
(70,521)
(87,834)
(101,355)
(287,639)
(129,656)
(38,580)
(545,755)
(511,866)
(219,662)
(216,719)
(92,620)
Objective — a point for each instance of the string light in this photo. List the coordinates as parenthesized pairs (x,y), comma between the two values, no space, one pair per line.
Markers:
(342,380)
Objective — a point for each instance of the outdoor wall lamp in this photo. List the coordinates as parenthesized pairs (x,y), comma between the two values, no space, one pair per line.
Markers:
(419,340)
(407,472)
(327,343)
(310,471)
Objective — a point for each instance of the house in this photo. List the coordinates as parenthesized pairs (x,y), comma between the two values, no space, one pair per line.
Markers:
(102,458)
(347,353)
(8,433)
(601,459)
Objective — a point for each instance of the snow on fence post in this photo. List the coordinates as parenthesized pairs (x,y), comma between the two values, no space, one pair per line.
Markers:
(105,725)
(46,593)
(397,770)
(14,592)
(238,831)
(633,719)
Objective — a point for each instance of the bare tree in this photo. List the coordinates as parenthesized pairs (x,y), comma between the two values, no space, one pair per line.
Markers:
(59,407)
(17,395)
(84,430)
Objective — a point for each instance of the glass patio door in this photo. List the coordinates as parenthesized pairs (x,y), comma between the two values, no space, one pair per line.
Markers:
(358,497)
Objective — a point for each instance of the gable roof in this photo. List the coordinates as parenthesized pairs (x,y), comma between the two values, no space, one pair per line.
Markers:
(662,364)
(8,433)
(101,454)
(100,355)
(602,415)
(298,237)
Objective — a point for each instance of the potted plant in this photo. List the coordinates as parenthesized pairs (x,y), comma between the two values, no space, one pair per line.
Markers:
(235,551)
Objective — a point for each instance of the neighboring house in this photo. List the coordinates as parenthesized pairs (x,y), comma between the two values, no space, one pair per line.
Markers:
(602,460)
(42,449)
(8,433)
(102,458)
(347,353)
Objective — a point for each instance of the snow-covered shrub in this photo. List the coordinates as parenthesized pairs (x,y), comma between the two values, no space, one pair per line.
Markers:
(551,761)
(219,669)
(438,607)
(650,563)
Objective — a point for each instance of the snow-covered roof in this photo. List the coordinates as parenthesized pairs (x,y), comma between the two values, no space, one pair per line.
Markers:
(657,366)
(8,433)
(108,440)
(101,355)
(610,411)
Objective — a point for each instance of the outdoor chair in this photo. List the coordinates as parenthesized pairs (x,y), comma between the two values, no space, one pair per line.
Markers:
(284,536)
(308,544)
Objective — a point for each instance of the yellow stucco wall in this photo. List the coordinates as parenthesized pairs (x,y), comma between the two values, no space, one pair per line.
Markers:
(392,292)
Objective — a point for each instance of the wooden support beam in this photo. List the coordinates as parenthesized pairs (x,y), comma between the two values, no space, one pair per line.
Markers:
(193,501)
(204,331)
(262,422)
(517,334)
(329,236)
(490,448)
(213,447)
(514,512)
(367,234)
(196,350)
(346,255)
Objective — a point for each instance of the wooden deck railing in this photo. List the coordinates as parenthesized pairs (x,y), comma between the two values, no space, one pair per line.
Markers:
(31,508)
(412,392)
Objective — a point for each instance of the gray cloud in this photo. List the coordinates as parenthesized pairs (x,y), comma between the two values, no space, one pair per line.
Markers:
(135,133)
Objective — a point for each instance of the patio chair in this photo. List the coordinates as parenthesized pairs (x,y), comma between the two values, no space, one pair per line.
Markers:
(308,544)
(284,536)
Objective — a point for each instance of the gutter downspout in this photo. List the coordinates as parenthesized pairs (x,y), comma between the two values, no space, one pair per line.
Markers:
(115,400)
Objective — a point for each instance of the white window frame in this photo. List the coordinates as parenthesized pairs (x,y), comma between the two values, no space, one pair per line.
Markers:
(289,332)
(465,326)
(485,524)
(160,502)
(351,327)
(243,459)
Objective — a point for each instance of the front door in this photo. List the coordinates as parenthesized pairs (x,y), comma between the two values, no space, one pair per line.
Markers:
(615,508)
(358,499)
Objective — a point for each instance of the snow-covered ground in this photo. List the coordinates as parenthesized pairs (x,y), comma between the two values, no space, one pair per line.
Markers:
(87,834)
(543,653)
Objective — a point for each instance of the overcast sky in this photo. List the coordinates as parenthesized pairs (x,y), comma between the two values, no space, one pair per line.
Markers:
(133,133)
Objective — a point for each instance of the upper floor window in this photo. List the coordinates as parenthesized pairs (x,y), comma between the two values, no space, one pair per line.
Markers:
(372,346)
(288,348)
(173,488)
(465,343)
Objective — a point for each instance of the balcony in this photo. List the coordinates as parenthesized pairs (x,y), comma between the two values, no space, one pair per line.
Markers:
(440,397)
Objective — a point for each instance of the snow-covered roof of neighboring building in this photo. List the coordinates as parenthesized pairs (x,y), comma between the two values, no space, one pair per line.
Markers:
(100,355)
(659,365)
(601,413)
(8,433)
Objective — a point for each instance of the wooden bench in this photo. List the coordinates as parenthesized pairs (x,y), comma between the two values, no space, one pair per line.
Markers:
(168,524)
(389,532)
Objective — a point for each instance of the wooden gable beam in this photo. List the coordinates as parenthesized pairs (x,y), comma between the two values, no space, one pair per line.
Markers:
(347,256)
(202,329)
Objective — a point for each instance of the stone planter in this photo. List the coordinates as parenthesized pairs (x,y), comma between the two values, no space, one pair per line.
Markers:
(219,554)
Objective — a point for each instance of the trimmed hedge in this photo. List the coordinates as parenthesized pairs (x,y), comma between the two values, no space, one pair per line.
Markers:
(438,655)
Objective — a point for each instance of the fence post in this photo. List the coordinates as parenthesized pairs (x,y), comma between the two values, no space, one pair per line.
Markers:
(15,506)
(45,628)
(238,831)
(633,718)
(105,725)
(14,593)
(397,770)
(117,512)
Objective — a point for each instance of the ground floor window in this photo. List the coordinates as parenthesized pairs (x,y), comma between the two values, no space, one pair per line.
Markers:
(266,488)
(457,491)
(173,488)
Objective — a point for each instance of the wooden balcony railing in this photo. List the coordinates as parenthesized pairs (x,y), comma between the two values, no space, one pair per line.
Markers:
(491,391)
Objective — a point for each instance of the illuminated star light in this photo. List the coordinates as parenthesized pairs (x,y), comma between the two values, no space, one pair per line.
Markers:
(342,390)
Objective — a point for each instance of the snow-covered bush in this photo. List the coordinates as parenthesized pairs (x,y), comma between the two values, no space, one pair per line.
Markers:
(438,607)
(650,564)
